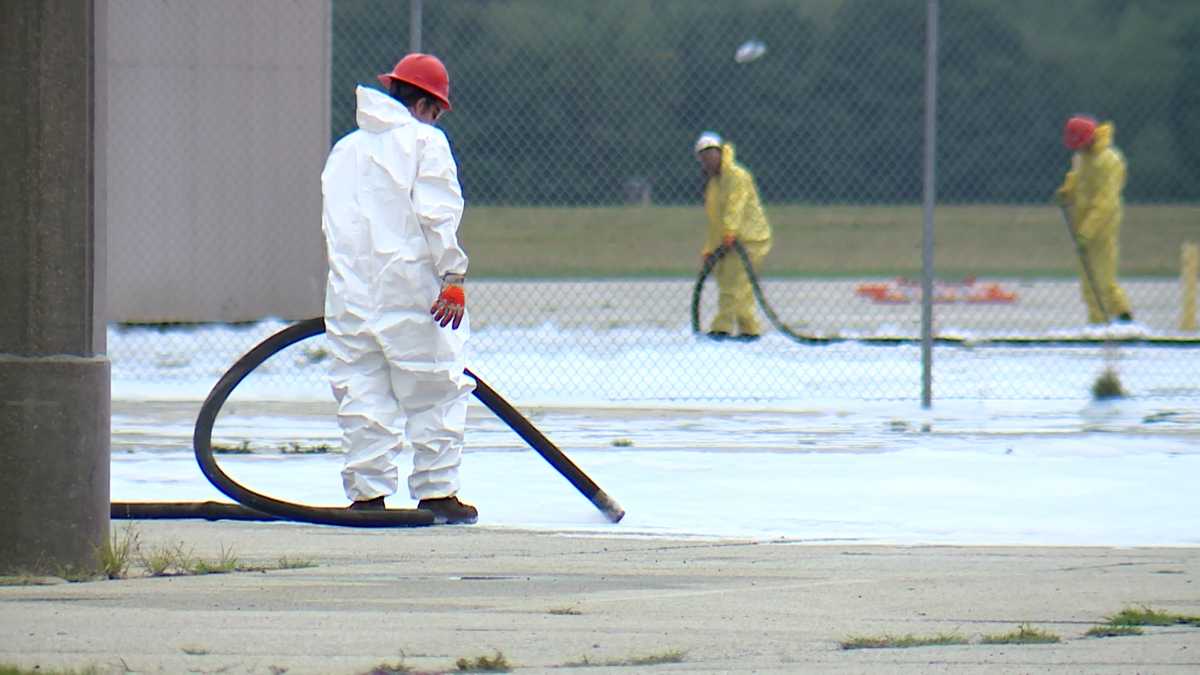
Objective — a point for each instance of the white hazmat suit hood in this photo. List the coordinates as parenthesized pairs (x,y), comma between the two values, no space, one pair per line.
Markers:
(392,207)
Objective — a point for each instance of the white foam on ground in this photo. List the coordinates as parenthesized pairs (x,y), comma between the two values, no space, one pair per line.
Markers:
(1081,492)
(690,454)
(654,366)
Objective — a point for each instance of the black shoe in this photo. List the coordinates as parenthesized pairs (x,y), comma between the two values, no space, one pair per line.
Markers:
(718,335)
(375,504)
(747,337)
(449,511)
(1125,317)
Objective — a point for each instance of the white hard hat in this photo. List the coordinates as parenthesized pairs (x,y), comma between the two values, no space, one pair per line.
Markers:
(708,139)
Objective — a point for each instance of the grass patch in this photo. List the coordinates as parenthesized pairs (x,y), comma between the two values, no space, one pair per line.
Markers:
(6,669)
(1146,616)
(622,443)
(116,554)
(227,562)
(315,354)
(284,563)
(166,560)
(674,656)
(902,641)
(294,448)
(176,560)
(565,611)
(243,449)
(829,240)
(1130,620)
(76,575)
(287,563)
(484,664)
(1112,631)
(1023,635)
(29,580)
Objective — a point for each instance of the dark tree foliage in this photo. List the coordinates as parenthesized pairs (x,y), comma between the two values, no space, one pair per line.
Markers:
(566,102)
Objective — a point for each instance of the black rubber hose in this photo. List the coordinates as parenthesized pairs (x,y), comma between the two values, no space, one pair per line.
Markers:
(1084,262)
(202,443)
(254,506)
(711,261)
(177,510)
(525,429)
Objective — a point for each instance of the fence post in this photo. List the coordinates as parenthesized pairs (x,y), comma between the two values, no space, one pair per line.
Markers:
(931,46)
(415,14)
(1189,262)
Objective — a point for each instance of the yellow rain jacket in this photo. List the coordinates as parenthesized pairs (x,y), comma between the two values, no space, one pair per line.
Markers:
(733,207)
(1091,192)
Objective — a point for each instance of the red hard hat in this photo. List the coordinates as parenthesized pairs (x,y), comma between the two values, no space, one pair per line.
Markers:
(423,71)
(1078,132)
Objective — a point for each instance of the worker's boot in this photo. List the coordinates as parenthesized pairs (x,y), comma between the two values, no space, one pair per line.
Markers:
(375,504)
(449,511)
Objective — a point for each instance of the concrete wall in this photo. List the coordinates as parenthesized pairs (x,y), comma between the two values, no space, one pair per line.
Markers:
(218,126)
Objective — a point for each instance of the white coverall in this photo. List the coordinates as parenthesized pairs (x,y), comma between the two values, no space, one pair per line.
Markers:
(392,206)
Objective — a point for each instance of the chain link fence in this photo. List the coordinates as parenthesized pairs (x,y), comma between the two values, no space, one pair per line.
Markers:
(573,125)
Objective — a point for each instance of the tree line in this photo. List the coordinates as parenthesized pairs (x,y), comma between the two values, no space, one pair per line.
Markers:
(572,102)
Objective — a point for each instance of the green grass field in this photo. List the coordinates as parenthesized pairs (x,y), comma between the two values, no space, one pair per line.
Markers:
(824,241)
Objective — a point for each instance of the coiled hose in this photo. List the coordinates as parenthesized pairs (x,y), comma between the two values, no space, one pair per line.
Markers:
(711,261)
(812,339)
(255,506)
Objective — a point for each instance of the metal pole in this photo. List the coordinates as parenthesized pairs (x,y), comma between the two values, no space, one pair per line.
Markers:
(931,44)
(414,25)
(1189,262)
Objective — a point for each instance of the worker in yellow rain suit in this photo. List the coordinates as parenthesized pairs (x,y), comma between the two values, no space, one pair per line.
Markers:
(734,214)
(1092,194)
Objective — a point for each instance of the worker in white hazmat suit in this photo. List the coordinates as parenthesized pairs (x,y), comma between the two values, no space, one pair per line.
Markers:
(394,303)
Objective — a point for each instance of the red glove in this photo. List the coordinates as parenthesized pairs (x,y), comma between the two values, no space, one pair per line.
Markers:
(728,239)
(448,309)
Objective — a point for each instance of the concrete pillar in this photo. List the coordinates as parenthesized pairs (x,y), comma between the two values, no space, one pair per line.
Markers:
(54,375)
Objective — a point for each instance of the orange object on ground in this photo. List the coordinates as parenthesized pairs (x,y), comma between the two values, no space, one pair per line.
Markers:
(901,291)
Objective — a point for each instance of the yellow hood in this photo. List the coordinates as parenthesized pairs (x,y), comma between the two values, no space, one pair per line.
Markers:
(732,203)
(1103,138)
(726,157)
